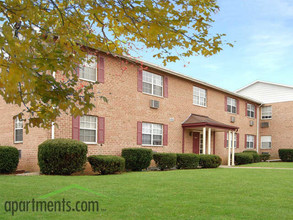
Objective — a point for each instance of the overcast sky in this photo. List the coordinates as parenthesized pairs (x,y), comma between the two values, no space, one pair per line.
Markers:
(263,31)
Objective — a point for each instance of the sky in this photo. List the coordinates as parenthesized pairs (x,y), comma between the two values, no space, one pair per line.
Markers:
(262,34)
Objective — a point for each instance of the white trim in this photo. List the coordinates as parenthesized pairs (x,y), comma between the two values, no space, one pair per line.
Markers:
(14,121)
(152,74)
(262,142)
(88,80)
(195,95)
(152,138)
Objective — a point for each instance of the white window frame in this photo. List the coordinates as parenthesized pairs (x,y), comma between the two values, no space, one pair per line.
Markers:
(250,139)
(261,140)
(266,114)
(230,103)
(197,92)
(153,74)
(17,121)
(235,140)
(152,134)
(91,129)
(86,64)
(250,109)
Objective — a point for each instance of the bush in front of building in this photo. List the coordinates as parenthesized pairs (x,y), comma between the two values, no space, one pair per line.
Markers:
(62,156)
(243,158)
(9,158)
(286,155)
(255,155)
(107,164)
(209,161)
(264,157)
(137,159)
(187,161)
(165,161)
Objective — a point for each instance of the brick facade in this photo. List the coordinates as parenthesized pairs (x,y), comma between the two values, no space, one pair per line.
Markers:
(126,106)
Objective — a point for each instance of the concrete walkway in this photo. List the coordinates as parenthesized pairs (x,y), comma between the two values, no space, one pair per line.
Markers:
(265,168)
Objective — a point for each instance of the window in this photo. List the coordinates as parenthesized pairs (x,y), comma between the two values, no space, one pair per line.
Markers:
(152,83)
(266,142)
(88,129)
(250,110)
(266,112)
(231,105)
(88,71)
(18,130)
(235,140)
(199,96)
(152,134)
(201,144)
(250,141)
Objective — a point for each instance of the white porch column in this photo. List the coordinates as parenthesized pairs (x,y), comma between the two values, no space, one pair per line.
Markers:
(229,148)
(233,148)
(209,140)
(204,140)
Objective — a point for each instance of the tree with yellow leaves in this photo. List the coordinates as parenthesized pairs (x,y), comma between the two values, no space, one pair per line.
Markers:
(42,35)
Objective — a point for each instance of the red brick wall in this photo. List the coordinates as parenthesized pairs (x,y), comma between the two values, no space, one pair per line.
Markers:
(125,107)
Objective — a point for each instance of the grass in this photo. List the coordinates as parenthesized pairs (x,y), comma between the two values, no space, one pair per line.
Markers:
(180,194)
(270,164)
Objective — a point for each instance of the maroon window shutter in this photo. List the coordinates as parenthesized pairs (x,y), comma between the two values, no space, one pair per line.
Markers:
(237,140)
(237,104)
(226,109)
(139,80)
(225,139)
(165,87)
(77,70)
(165,137)
(246,109)
(139,133)
(101,130)
(75,127)
(254,142)
(245,140)
(101,69)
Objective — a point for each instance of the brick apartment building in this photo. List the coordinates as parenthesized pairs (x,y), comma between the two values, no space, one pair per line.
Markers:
(153,108)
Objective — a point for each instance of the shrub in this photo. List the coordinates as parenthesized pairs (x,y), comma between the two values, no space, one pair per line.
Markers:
(62,156)
(9,158)
(187,161)
(106,164)
(243,158)
(264,157)
(209,161)
(137,159)
(286,155)
(165,160)
(255,155)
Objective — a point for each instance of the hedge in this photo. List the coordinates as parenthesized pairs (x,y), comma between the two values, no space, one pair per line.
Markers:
(264,157)
(187,161)
(255,155)
(137,159)
(62,156)
(165,160)
(286,155)
(209,161)
(243,158)
(106,164)
(9,158)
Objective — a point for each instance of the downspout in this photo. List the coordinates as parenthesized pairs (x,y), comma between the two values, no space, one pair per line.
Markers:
(53,124)
(257,128)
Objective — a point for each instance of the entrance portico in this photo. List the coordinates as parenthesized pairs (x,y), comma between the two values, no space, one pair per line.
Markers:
(203,131)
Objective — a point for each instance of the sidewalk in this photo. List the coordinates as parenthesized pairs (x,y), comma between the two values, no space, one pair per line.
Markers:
(268,168)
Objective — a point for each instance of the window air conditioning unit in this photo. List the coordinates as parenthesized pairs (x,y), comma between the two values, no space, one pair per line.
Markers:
(232,119)
(265,124)
(154,104)
(251,123)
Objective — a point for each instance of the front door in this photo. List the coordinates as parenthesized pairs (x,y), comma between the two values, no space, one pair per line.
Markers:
(196,137)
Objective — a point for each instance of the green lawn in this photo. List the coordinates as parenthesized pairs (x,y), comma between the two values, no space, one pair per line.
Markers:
(181,194)
(270,164)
